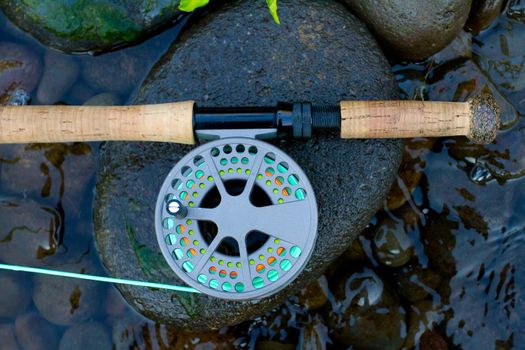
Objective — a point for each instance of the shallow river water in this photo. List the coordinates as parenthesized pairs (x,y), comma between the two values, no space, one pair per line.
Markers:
(441,266)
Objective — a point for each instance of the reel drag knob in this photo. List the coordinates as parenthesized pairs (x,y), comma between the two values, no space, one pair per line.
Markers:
(177,209)
(236,219)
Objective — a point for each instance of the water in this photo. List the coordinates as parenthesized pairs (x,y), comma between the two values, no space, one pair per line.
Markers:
(456,281)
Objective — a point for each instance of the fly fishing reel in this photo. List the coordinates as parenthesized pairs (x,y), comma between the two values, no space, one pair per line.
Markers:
(236,219)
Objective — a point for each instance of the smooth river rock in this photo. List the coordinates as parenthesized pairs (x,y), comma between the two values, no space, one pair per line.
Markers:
(87,26)
(16,294)
(86,336)
(20,70)
(29,232)
(67,301)
(303,59)
(365,313)
(35,333)
(60,73)
(413,29)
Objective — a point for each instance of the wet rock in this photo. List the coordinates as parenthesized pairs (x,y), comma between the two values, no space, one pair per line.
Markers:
(29,232)
(82,26)
(516,10)
(502,55)
(67,301)
(310,61)
(464,82)
(125,330)
(19,97)
(55,172)
(275,326)
(413,30)
(423,316)
(60,73)
(314,335)
(104,99)
(19,69)
(356,251)
(409,173)
(203,340)
(392,245)
(432,340)
(273,345)
(438,238)
(7,334)
(118,72)
(114,304)
(35,333)
(416,283)
(16,294)
(80,93)
(459,48)
(483,13)
(365,314)
(314,296)
(86,336)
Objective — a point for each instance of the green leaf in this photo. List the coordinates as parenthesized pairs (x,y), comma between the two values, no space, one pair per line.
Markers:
(272,5)
(190,5)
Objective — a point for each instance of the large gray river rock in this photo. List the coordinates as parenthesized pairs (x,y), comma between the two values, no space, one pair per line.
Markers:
(413,29)
(238,56)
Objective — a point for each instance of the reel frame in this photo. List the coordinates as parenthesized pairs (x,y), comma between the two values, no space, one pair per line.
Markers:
(266,206)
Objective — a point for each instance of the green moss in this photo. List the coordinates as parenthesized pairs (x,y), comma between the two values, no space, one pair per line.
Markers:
(151,261)
(98,21)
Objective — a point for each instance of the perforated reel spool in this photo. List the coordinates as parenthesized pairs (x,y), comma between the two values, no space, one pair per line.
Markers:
(246,223)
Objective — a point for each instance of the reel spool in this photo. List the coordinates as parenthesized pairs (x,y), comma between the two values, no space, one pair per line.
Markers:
(236,219)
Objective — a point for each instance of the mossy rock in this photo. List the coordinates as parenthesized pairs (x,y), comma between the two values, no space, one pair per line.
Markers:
(89,25)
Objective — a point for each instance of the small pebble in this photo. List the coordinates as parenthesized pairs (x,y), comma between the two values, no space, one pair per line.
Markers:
(416,283)
(60,73)
(16,294)
(80,93)
(19,69)
(7,336)
(516,10)
(35,333)
(117,71)
(86,336)
(314,334)
(482,14)
(365,314)
(105,99)
(392,246)
(114,303)
(423,316)
(313,297)
(28,232)
(66,301)
(479,174)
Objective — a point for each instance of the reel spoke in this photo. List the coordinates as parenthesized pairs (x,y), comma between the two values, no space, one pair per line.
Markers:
(206,256)
(243,251)
(216,176)
(283,221)
(203,214)
(253,176)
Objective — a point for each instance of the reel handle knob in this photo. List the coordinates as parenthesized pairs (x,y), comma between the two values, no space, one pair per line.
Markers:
(177,209)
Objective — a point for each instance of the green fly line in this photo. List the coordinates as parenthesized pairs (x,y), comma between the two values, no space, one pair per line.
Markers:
(97,278)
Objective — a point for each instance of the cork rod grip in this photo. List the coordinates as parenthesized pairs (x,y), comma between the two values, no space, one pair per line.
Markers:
(404,119)
(169,122)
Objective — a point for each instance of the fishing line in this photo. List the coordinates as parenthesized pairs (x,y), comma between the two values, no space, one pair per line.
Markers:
(80,276)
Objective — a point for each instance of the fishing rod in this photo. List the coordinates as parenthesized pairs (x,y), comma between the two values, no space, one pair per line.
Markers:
(236,218)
